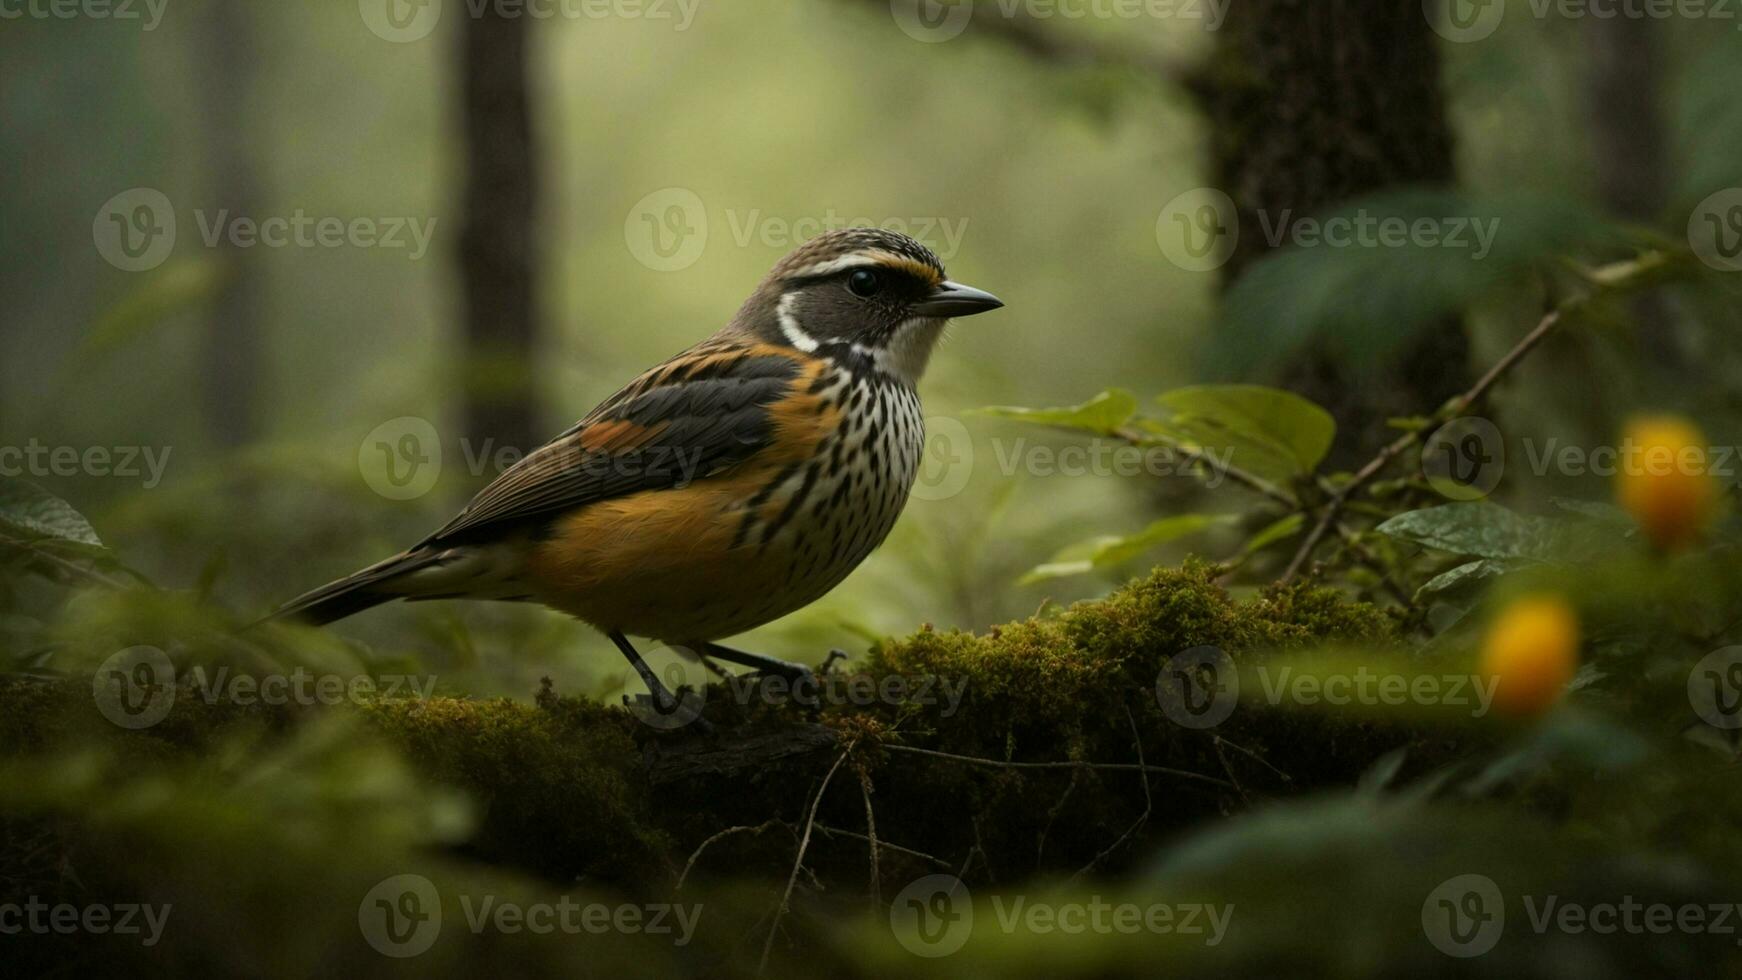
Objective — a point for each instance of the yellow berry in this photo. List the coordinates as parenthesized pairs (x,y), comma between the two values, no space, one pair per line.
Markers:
(1664,481)
(1530,653)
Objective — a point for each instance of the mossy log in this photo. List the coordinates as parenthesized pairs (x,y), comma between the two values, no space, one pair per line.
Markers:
(1040,747)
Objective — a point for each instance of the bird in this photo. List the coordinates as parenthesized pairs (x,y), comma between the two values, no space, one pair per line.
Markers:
(732,484)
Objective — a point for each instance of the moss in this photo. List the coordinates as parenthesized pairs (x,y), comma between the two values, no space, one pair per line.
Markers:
(562,786)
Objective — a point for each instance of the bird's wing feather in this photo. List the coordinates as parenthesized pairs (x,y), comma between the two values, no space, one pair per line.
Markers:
(684,420)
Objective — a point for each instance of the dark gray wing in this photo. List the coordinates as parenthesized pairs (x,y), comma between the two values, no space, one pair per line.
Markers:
(686,419)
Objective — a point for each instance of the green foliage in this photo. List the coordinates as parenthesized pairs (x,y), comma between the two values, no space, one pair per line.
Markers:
(1272,433)
(1366,302)
(1102,414)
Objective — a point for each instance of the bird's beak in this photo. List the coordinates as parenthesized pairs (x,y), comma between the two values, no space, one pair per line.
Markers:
(955,299)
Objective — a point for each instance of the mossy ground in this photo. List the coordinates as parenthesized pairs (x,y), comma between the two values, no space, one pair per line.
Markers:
(564,790)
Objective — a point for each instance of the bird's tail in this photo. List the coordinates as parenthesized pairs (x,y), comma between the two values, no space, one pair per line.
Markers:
(358,591)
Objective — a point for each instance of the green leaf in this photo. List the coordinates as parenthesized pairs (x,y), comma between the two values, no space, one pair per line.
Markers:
(1268,432)
(1079,559)
(1281,530)
(1464,575)
(30,513)
(1483,530)
(1101,414)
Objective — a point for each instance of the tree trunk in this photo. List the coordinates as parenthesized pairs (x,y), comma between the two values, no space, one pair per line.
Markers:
(1314,102)
(231,346)
(1624,92)
(497,247)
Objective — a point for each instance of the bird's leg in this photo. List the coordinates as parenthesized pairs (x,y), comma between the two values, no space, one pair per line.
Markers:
(756,661)
(664,701)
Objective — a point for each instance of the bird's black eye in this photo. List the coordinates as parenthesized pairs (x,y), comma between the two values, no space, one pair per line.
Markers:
(864,282)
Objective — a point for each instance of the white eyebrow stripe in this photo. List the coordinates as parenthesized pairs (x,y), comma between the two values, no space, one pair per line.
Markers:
(852,260)
(789,325)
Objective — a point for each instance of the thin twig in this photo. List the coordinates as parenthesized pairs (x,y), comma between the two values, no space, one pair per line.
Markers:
(871,834)
(1255,757)
(1104,766)
(1148,804)
(1612,278)
(828,831)
(1250,480)
(1452,409)
(1217,743)
(804,844)
(1053,814)
(729,831)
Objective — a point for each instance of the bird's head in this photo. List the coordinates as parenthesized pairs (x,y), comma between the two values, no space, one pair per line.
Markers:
(861,295)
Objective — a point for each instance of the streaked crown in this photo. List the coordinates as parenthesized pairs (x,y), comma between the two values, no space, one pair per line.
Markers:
(863,297)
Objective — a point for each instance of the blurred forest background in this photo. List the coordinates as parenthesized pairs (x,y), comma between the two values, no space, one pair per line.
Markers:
(1049,146)
(565,167)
